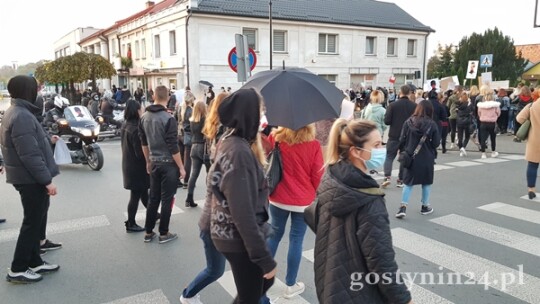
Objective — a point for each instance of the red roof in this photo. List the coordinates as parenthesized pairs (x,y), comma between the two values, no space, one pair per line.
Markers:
(147,11)
(530,52)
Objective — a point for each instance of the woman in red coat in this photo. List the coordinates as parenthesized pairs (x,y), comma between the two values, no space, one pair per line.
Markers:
(302,171)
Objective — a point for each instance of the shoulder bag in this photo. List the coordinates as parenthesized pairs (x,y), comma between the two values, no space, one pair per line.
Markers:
(523,131)
(274,171)
(405,158)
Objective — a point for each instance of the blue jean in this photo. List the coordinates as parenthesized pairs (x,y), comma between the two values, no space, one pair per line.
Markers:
(406,194)
(215,266)
(532,172)
(296,238)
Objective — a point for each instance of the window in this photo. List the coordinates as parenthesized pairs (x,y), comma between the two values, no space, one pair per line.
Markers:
(371,45)
(251,35)
(137,49)
(172,42)
(411,47)
(157,47)
(143,48)
(280,41)
(330,78)
(327,43)
(391,47)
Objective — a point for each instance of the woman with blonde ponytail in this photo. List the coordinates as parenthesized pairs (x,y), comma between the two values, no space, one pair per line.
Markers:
(353,229)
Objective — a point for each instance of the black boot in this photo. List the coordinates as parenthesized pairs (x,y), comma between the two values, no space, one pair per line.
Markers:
(133,227)
(190,202)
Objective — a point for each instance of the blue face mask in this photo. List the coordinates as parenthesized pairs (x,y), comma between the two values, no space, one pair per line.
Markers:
(378,156)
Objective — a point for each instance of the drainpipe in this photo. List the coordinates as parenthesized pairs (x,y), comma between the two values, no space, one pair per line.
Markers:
(425,60)
(187,45)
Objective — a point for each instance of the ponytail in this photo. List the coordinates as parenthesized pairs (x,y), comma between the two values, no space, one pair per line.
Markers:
(334,140)
(345,134)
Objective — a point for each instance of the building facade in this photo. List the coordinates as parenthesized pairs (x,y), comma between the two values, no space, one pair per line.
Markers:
(69,44)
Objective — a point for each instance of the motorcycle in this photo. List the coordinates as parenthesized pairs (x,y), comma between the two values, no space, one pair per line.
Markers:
(108,129)
(80,132)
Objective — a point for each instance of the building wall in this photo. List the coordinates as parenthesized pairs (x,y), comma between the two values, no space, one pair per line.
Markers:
(68,45)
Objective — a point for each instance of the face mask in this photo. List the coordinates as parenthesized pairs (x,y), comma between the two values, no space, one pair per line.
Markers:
(378,156)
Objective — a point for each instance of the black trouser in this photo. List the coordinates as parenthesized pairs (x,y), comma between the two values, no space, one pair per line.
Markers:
(133,205)
(487,129)
(163,184)
(463,130)
(248,278)
(197,161)
(453,129)
(185,154)
(392,147)
(502,121)
(35,201)
(444,135)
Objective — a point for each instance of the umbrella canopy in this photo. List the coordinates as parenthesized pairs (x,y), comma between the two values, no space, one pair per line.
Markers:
(295,97)
(206,83)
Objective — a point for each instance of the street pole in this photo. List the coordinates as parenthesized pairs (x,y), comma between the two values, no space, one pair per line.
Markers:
(271,33)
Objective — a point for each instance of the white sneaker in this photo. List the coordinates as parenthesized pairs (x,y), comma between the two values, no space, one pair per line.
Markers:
(462,152)
(484,155)
(294,290)
(194,300)
(494,154)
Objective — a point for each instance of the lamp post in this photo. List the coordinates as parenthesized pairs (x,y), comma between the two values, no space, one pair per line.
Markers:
(271,32)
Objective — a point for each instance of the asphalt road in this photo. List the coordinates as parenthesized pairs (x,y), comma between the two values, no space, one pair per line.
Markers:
(481,230)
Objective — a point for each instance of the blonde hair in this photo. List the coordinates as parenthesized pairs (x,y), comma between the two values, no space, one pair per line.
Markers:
(211,123)
(419,94)
(199,111)
(189,99)
(346,134)
(292,137)
(376,97)
(474,91)
(258,150)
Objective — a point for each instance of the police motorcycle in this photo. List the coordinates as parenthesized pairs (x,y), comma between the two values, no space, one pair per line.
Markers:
(80,132)
(110,124)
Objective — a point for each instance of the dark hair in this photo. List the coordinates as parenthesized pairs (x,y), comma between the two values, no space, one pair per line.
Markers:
(132,110)
(405,90)
(424,109)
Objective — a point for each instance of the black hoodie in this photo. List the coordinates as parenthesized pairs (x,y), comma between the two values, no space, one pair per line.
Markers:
(241,111)
(158,131)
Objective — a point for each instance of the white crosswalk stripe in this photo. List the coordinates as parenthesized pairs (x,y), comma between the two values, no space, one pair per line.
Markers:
(478,269)
(152,297)
(496,234)
(519,213)
(141,214)
(61,227)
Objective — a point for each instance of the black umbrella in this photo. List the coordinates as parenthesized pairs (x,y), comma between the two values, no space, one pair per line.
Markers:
(206,83)
(295,97)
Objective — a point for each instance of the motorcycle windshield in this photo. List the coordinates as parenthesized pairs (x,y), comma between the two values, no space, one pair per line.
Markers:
(77,113)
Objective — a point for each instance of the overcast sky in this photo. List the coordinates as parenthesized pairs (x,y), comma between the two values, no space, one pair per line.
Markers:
(28,30)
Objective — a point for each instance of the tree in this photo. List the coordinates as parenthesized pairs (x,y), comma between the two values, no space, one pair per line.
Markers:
(442,63)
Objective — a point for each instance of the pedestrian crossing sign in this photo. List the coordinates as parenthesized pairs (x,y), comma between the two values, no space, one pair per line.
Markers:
(486,61)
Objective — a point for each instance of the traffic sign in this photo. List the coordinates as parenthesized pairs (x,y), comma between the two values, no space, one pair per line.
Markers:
(486,61)
(233,60)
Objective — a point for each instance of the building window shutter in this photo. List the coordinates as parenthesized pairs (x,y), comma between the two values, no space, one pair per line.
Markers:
(251,35)
(331,43)
(322,43)
(279,41)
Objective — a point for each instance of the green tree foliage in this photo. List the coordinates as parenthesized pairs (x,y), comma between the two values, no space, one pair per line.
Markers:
(451,60)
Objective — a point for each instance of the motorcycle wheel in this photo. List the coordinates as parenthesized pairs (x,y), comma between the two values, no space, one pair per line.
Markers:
(94,157)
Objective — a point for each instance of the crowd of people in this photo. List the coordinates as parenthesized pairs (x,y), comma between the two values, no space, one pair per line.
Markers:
(165,146)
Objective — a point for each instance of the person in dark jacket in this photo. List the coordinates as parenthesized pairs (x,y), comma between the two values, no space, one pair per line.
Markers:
(353,239)
(423,166)
(522,100)
(199,149)
(183,114)
(136,179)
(464,117)
(30,167)
(2,220)
(439,112)
(239,221)
(158,133)
(396,114)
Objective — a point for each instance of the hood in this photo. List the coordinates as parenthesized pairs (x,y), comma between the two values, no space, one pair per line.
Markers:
(419,124)
(19,102)
(155,108)
(376,108)
(23,87)
(354,182)
(241,111)
(488,104)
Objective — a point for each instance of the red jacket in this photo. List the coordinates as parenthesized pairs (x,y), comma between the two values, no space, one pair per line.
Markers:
(302,173)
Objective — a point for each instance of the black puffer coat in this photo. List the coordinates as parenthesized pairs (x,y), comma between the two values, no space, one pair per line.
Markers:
(353,237)
(423,165)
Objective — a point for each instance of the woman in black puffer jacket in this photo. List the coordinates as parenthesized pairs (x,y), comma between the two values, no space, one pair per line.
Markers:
(353,237)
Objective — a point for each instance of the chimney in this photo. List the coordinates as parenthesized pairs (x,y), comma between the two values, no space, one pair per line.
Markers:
(150,4)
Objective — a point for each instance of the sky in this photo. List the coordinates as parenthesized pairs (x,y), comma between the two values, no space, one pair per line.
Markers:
(27,33)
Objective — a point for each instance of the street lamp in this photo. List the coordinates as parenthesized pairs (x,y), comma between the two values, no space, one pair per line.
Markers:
(271,33)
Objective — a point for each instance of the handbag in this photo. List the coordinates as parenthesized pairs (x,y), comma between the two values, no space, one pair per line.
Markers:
(523,131)
(274,171)
(405,158)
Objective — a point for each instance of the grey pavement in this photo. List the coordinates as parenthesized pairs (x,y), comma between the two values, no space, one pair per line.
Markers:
(482,230)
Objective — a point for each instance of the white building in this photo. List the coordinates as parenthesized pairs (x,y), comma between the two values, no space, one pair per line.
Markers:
(351,43)
(69,44)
